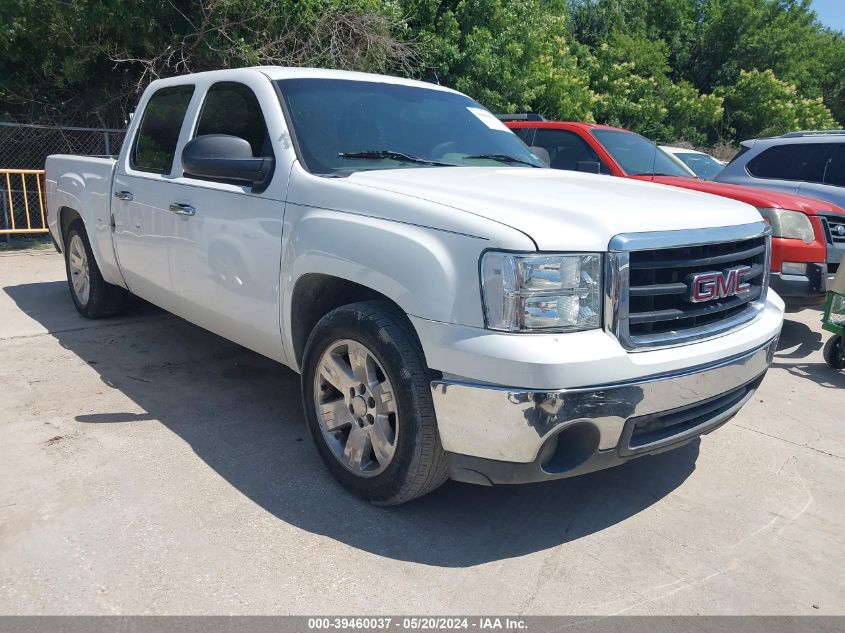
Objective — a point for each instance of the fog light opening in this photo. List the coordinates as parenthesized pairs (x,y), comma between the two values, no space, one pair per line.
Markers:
(570,448)
(793,268)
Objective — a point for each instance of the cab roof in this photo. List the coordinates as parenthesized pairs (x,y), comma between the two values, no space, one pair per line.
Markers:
(276,73)
(563,125)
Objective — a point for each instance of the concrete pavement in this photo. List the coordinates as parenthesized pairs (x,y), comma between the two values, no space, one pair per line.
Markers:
(150,467)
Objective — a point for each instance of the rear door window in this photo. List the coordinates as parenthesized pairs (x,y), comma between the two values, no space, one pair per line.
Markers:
(158,134)
(835,171)
(566,149)
(798,161)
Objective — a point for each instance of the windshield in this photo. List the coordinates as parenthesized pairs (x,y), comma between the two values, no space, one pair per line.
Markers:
(637,155)
(344,125)
(704,165)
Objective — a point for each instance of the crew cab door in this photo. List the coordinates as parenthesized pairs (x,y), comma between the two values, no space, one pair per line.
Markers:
(226,255)
(143,227)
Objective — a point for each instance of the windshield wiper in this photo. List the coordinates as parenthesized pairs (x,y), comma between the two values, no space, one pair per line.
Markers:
(378,154)
(503,158)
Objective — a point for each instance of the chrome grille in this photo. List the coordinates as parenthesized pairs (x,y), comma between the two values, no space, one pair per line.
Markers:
(649,303)
(835,229)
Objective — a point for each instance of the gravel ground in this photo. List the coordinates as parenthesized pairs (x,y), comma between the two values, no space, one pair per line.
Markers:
(149,467)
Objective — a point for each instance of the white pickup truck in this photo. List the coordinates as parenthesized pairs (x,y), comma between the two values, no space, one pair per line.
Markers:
(454,307)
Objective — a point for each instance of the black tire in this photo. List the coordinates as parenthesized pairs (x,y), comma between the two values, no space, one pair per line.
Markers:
(834,353)
(104,299)
(418,464)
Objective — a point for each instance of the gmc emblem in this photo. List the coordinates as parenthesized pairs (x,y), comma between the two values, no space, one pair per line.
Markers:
(718,285)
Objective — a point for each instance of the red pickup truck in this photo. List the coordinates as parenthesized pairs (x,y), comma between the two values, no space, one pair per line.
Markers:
(798,264)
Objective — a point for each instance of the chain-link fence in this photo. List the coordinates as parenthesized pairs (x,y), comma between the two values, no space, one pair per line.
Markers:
(24,146)
(23,150)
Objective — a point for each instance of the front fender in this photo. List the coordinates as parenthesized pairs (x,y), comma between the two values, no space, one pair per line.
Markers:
(429,273)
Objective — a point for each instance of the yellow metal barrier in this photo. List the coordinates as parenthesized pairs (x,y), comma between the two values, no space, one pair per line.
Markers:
(16,198)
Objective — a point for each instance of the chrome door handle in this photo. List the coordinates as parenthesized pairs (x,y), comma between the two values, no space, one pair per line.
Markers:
(183,209)
(123,195)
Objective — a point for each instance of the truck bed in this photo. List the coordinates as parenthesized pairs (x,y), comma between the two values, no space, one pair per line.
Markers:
(82,184)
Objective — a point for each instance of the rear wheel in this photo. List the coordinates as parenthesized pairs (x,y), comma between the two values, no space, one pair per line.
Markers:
(93,296)
(367,400)
(834,353)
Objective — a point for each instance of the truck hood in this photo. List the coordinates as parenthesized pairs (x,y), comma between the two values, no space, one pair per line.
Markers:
(561,210)
(761,198)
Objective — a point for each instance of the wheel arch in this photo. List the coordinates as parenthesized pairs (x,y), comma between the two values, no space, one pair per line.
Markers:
(316,294)
(100,238)
(67,216)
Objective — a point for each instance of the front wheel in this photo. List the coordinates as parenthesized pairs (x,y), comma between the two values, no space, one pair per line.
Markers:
(367,400)
(834,353)
(92,295)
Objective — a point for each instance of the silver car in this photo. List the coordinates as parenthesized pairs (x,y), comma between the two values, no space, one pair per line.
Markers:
(808,163)
(700,164)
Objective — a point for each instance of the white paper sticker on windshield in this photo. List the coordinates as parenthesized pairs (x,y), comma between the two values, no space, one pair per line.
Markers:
(488,119)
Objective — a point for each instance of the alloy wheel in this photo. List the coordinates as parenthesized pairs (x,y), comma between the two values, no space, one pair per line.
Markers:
(356,408)
(79,272)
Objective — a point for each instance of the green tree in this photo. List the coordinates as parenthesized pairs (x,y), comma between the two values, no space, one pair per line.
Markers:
(54,61)
(830,53)
(737,35)
(630,78)
(710,41)
(760,104)
(672,21)
(511,55)
(87,61)
(661,67)
(708,45)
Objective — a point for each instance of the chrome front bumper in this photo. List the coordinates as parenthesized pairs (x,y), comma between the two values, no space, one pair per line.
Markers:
(495,434)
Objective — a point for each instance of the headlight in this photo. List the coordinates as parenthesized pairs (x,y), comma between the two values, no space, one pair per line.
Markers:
(527,293)
(789,224)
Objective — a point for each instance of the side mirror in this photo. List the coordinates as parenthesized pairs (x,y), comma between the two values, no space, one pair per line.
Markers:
(588,166)
(225,157)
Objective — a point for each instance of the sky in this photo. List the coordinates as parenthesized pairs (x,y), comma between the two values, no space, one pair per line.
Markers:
(831,13)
